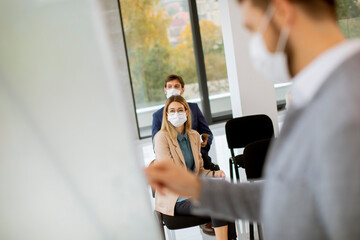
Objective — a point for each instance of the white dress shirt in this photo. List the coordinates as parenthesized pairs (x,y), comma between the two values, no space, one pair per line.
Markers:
(309,80)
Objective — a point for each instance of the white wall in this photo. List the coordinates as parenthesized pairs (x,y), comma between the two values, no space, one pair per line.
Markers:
(250,93)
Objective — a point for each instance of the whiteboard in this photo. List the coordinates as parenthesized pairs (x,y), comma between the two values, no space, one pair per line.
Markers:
(68,165)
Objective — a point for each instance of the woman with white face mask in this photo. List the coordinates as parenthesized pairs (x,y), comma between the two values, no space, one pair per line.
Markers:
(177,142)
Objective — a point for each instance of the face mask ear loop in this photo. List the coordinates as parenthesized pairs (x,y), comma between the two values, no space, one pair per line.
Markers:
(283,38)
(268,15)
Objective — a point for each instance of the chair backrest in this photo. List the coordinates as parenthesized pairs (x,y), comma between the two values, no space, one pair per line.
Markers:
(244,130)
(254,158)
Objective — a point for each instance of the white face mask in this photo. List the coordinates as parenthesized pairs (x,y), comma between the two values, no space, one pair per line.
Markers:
(172,92)
(177,119)
(273,66)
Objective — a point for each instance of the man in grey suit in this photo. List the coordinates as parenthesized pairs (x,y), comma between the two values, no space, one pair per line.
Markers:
(312,175)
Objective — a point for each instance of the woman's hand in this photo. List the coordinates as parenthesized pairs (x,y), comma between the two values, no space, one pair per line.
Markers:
(219,174)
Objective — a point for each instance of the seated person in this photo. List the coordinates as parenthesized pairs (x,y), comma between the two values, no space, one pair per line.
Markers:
(178,143)
(174,85)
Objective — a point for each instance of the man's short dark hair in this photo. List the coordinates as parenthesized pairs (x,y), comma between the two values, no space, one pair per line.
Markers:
(172,77)
(313,7)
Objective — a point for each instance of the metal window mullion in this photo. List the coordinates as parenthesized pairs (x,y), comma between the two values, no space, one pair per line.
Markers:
(129,71)
(200,60)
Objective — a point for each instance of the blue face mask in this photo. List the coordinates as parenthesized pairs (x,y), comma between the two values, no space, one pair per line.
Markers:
(273,66)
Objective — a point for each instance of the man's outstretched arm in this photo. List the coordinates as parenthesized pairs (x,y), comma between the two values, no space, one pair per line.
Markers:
(224,200)
(214,197)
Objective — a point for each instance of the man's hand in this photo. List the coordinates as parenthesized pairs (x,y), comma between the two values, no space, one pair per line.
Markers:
(204,138)
(166,174)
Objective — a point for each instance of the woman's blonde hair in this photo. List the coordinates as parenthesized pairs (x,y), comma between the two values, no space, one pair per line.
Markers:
(166,125)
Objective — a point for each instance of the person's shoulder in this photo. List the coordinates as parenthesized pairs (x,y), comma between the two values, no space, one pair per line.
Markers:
(343,84)
(158,112)
(161,140)
(194,107)
(161,135)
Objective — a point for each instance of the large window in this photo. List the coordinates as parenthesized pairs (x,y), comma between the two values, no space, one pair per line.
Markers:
(349,17)
(215,65)
(175,36)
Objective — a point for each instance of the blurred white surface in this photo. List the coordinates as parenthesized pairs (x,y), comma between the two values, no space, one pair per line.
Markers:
(68,165)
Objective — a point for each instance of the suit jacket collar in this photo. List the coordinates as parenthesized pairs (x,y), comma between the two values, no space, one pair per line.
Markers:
(178,150)
(194,149)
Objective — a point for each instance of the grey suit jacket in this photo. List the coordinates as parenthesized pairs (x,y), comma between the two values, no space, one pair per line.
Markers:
(312,177)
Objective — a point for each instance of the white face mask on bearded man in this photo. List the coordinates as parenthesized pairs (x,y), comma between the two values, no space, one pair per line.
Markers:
(273,66)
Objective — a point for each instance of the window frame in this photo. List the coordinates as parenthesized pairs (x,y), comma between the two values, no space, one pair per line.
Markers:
(200,70)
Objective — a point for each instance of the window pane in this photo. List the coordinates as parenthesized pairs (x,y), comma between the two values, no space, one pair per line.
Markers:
(159,42)
(213,48)
(348,12)
(349,17)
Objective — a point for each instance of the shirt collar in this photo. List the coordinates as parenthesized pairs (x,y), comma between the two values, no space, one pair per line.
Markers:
(307,83)
(181,137)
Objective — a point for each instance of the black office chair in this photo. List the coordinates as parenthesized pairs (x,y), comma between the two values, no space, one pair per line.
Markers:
(177,222)
(242,131)
(254,159)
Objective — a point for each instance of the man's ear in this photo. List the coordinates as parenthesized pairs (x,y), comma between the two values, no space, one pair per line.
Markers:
(165,90)
(182,91)
(285,12)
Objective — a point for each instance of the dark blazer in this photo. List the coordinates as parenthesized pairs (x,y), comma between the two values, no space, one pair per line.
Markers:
(199,123)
